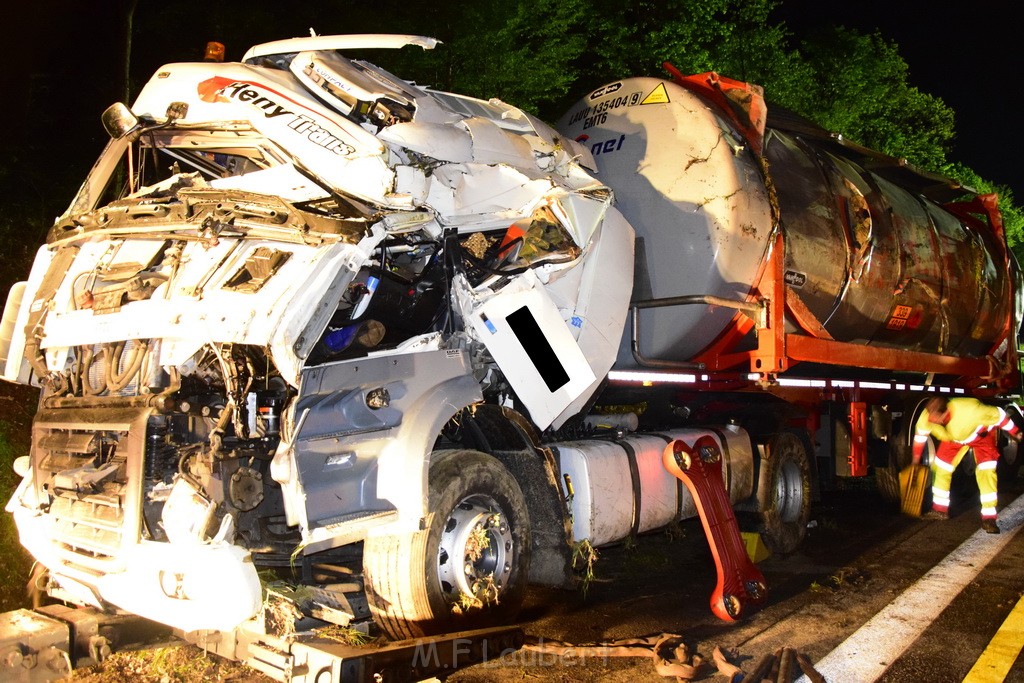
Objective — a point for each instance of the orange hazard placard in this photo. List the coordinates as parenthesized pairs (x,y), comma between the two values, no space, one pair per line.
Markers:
(899,317)
(902,312)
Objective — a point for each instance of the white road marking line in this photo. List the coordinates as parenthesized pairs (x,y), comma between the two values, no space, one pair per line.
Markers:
(872,649)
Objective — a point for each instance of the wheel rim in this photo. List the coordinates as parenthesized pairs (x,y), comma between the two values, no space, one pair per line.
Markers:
(476,551)
(789,492)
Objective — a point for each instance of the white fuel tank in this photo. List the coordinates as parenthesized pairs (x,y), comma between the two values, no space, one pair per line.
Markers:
(620,488)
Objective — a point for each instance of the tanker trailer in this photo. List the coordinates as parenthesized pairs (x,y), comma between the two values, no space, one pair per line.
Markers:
(792,281)
(871,255)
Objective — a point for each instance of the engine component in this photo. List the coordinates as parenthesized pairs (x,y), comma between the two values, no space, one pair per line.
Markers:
(245,490)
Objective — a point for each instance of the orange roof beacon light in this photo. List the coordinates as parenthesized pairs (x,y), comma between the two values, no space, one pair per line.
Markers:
(214,52)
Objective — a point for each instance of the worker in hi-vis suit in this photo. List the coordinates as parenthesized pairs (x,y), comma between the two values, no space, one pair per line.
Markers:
(960,424)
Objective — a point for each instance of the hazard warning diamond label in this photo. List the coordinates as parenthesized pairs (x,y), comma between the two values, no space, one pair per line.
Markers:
(657,96)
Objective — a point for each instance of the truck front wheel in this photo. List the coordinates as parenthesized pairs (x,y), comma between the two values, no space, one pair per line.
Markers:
(468,567)
(784,493)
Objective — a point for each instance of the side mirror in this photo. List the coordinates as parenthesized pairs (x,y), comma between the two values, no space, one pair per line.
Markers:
(119,121)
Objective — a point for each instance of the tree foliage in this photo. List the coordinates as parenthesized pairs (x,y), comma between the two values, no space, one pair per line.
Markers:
(860,88)
(522,53)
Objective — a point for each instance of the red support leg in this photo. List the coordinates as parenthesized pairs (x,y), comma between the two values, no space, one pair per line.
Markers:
(741,585)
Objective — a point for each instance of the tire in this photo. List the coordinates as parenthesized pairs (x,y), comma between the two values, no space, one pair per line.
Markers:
(784,493)
(901,452)
(441,579)
(1011,457)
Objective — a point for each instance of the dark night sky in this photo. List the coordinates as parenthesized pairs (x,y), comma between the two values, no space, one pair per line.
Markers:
(968,57)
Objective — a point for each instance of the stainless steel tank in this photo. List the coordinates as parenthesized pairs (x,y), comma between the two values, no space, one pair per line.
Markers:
(869,251)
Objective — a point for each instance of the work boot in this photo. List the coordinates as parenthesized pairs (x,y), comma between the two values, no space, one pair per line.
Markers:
(934,514)
(990,526)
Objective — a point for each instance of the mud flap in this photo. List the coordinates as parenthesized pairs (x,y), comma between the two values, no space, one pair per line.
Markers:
(741,587)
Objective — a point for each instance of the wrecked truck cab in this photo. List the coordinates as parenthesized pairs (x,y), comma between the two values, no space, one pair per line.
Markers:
(270,319)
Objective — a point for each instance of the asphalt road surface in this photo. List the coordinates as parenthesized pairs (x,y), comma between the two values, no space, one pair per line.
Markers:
(870,596)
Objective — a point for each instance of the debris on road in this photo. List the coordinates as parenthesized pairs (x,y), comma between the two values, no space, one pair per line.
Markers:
(672,657)
(805,665)
(776,667)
